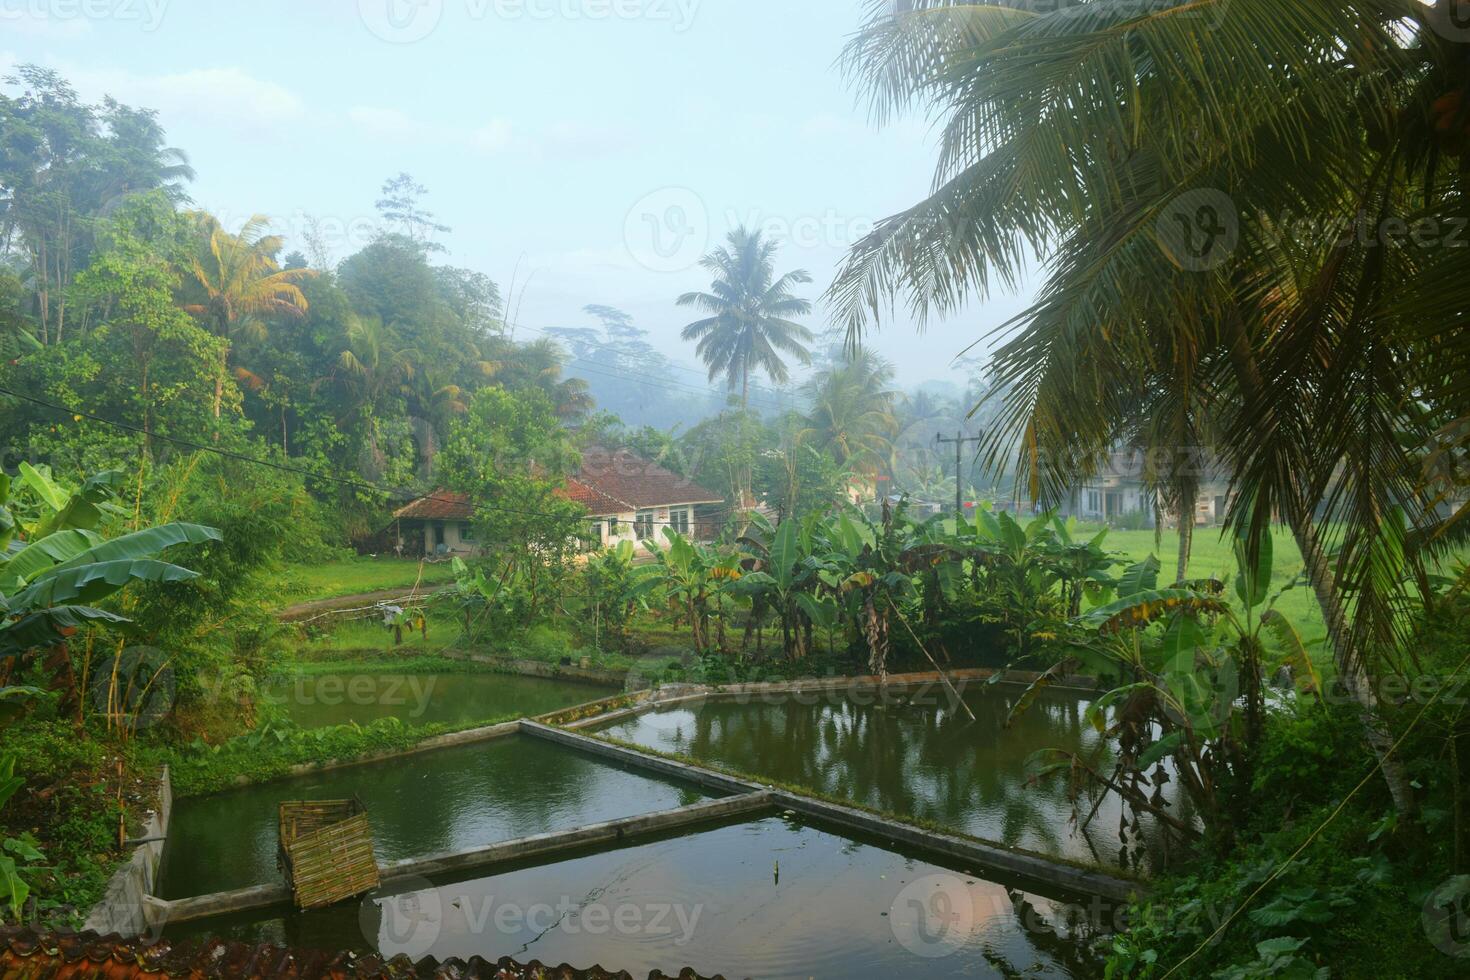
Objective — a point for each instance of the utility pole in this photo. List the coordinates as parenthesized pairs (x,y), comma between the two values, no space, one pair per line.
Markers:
(960,442)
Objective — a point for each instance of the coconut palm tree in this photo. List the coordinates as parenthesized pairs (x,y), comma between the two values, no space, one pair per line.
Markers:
(242,285)
(853,412)
(1192,182)
(749,326)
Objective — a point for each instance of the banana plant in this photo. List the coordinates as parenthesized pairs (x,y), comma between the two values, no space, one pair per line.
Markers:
(684,571)
(16,854)
(55,566)
(1190,667)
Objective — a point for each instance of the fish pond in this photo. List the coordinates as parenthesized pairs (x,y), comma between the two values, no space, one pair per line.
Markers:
(434,802)
(914,753)
(454,699)
(768,898)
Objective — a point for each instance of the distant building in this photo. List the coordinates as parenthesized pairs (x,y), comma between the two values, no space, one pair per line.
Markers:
(1118,494)
(440,524)
(634,499)
(628,498)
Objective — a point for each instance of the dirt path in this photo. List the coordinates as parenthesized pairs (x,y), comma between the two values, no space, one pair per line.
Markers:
(307,610)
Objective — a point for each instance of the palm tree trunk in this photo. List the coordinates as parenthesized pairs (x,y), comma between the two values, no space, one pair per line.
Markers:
(1351,671)
(1186,537)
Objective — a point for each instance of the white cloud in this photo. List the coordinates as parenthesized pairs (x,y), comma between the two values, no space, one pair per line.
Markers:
(226,97)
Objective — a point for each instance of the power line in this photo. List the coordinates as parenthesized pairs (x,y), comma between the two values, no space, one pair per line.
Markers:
(310,475)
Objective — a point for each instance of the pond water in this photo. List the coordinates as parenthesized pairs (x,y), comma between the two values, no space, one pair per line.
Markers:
(447,800)
(770,898)
(910,753)
(424,699)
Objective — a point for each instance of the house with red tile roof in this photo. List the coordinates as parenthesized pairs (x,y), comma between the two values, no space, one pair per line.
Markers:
(628,498)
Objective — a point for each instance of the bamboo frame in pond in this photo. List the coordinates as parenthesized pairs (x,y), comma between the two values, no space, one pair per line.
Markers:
(326,851)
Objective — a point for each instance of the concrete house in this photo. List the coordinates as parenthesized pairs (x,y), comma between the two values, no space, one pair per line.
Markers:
(628,497)
(1118,493)
(634,499)
(439,524)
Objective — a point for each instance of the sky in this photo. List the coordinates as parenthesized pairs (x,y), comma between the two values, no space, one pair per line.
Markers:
(583,151)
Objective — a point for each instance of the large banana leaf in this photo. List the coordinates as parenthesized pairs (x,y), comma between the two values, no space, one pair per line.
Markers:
(145,544)
(1145,608)
(36,557)
(785,550)
(1294,652)
(1139,578)
(83,509)
(89,583)
(45,627)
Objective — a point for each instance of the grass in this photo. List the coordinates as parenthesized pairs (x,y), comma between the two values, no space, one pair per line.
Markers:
(331,580)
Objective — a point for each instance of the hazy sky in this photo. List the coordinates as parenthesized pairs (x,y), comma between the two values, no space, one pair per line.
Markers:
(596,146)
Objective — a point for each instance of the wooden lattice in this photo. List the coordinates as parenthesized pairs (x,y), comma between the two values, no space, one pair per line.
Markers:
(326,851)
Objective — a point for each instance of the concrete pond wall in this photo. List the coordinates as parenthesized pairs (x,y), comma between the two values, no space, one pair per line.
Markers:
(130,908)
(123,908)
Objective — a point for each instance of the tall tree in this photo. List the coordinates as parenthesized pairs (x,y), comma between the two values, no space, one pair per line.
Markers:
(749,326)
(400,206)
(242,285)
(852,415)
(1189,206)
(65,164)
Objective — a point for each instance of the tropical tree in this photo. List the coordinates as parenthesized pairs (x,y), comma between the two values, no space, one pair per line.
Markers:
(370,370)
(1189,692)
(63,165)
(1199,208)
(749,326)
(242,285)
(853,412)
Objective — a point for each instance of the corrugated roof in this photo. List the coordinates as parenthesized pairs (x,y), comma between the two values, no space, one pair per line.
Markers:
(441,505)
(34,956)
(624,475)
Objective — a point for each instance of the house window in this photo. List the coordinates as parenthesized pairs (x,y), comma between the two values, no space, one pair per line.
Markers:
(467,533)
(614,527)
(439,538)
(679,519)
(1094,502)
(643,524)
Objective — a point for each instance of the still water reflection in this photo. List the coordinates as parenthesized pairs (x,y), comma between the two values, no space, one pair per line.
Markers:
(913,753)
(772,898)
(449,800)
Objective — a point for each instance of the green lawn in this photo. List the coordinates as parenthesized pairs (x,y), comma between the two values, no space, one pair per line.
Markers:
(303,583)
